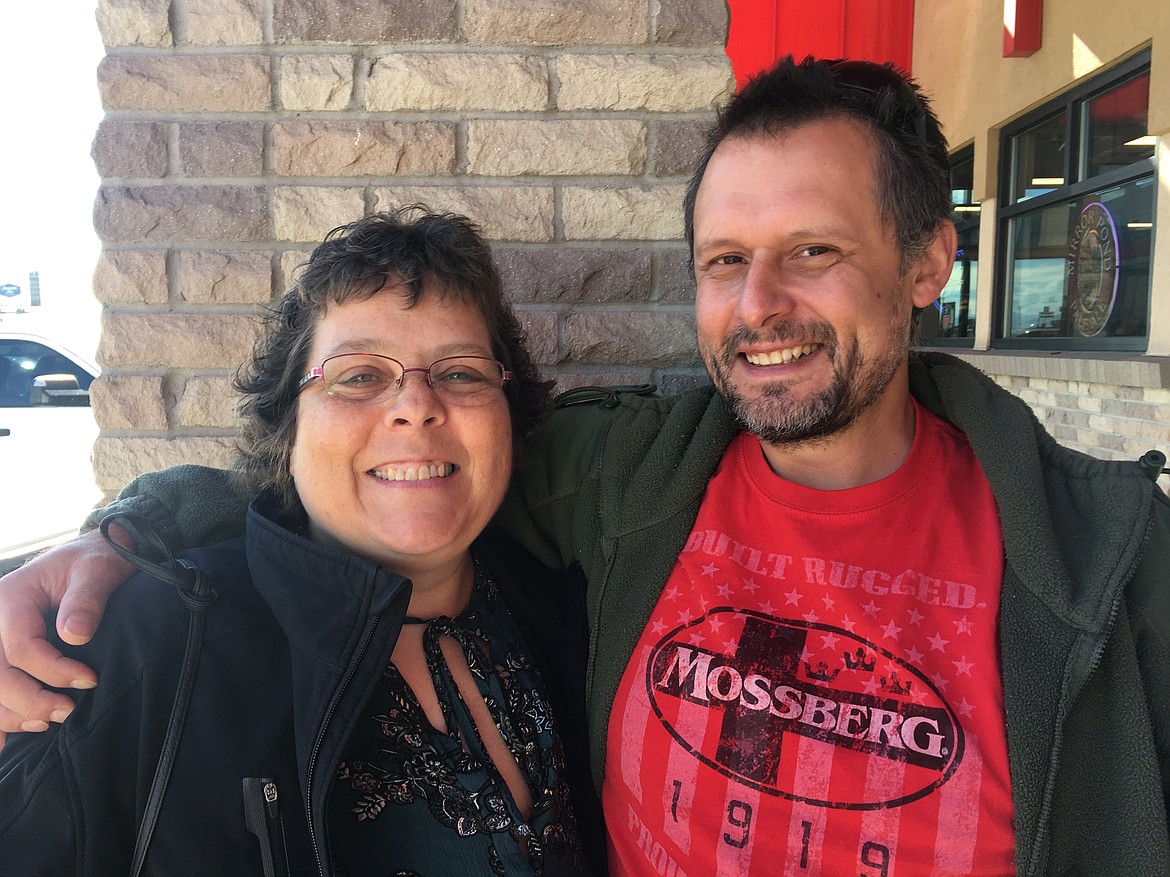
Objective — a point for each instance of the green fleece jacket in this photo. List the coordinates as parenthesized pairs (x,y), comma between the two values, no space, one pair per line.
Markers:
(1084,613)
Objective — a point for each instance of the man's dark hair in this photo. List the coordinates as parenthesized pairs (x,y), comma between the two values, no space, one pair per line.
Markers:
(420,253)
(911,168)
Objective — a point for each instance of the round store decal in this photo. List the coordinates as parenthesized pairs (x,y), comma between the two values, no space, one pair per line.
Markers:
(1094,270)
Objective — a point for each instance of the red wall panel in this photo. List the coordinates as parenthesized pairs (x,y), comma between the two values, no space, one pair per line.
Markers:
(765,30)
(1023,24)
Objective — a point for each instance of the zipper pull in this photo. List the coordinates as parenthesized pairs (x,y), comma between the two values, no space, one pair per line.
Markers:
(270,802)
(262,819)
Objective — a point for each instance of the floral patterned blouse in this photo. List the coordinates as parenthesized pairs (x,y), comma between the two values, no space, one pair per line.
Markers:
(409,800)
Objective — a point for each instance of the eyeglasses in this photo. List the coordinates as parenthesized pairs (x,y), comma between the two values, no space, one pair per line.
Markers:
(880,80)
(371,377)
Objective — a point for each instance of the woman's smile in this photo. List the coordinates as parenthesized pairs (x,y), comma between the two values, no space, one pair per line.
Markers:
(414,471)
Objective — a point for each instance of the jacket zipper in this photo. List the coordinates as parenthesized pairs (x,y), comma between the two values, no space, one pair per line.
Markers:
(367,635)
(263,819)
(1041,848)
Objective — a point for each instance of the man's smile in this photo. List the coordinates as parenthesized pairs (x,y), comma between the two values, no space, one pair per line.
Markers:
(782,356)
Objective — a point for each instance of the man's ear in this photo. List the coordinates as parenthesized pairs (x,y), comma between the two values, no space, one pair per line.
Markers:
(932,269)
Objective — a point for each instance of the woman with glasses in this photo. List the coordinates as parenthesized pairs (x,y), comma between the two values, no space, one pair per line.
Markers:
(365,702)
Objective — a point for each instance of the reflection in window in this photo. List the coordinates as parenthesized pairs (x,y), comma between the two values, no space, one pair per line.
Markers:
(1081,268)
(1114,128)
(1038,158)
(1037,245)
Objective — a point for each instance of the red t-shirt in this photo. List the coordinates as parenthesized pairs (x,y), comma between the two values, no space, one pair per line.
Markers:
(818,688)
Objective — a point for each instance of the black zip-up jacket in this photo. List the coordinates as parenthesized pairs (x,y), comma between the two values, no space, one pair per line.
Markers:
(294,645)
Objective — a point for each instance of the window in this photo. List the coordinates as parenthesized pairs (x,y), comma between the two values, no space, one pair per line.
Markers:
(952,315)
(22,361)
(1076,218)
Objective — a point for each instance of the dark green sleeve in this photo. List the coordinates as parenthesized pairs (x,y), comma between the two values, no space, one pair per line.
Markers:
(548,507)
(1149,611)
(187,505)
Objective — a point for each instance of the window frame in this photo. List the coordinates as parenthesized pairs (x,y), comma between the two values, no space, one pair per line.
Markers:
(1070,103)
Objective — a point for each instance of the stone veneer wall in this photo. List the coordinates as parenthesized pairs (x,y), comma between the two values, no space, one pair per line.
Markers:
(1105,420)
(1111,406)
(238,132)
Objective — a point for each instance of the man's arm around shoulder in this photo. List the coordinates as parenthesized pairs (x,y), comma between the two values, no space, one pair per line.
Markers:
(186,505)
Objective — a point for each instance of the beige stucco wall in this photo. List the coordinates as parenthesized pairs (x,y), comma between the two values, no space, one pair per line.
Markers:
(958,56)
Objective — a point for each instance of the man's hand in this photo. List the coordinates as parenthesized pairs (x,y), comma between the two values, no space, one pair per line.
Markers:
(79,577)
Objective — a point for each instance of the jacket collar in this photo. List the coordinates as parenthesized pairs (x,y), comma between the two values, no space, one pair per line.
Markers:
(1073,526)
(319,596)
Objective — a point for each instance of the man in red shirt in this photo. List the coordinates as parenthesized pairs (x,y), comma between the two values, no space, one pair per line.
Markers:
(856,665)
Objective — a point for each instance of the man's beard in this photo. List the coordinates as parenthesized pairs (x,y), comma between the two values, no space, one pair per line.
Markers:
(775,417)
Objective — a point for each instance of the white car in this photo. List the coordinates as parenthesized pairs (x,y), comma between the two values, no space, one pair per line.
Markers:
(47,431)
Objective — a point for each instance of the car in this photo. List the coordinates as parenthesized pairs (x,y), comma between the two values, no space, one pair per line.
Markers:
(47,431)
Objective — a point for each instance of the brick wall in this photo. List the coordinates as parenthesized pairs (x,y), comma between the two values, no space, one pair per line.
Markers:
(1110,406)
(238,132)
(1112,422)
